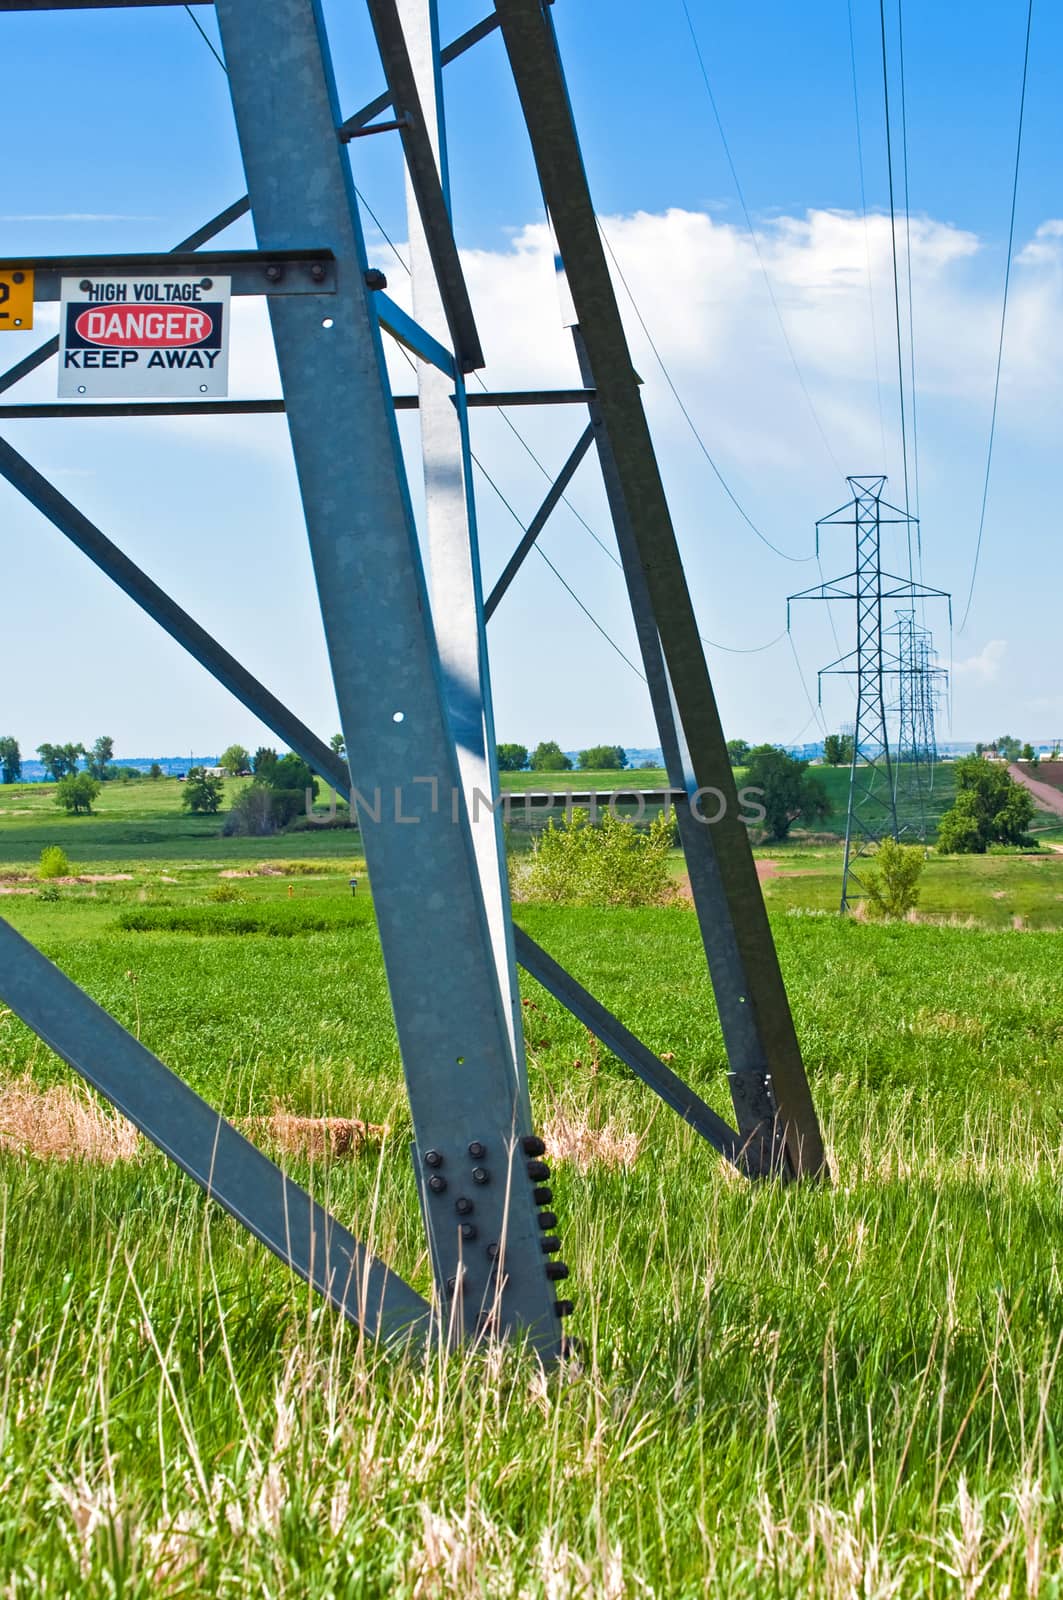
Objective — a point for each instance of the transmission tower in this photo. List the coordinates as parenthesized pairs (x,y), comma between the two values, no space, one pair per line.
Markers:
(872,810)
(409,661)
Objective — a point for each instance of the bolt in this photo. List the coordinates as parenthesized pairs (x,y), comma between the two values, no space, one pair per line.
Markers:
(542,1197)
(556,1269)
(433,1158)
(538,1170)
(18,277)
(273,272)
(564,1308)
(206,283)
(480,1175)
(533,1146)
(547,1220)
(477,1150)
(452,1284)
(550,1246)
(493,1249)
(375,279)
(467,1231)
(437,1183)
(463,1206)
(85,285)
(317,271)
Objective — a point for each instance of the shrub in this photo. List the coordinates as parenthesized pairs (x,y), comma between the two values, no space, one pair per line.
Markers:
(251,812)
(203,792)
(49,891)
(786,790)
(76,792)
(893,882)
(223,894)
(53,863)
(610,863)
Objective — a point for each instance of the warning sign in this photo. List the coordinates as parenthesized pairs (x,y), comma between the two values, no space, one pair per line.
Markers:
(143,338)
(16,300)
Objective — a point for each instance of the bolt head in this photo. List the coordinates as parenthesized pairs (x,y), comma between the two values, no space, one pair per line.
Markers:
(564,1308)
(477,1150)
(375,279)
(494,1249)
(556,1269)
(551,1245)
(480,1175)
(467,1231)
(532,1145)
(542,1197)
(538,1171)
(85,285)
(317,271)
(437,1183)
(547,1220)
(273,272)
(433,1158)
(463,1206)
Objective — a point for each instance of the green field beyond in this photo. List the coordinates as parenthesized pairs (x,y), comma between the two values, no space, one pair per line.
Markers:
(835,1391)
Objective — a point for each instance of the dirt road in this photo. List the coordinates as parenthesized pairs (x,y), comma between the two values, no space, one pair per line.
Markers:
(1047,798)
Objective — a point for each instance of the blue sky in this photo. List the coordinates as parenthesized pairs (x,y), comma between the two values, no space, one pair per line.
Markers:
(124,136)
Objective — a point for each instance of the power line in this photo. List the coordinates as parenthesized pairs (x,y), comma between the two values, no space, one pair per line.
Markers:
(206,39)
(728,491)
(908,260)
(896,277)
(1003,315)
(867,235)
(565,585)
(754,238)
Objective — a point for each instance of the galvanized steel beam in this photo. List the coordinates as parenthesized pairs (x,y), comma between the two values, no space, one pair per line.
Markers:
(228,1167)
(752,978)
(464,1084)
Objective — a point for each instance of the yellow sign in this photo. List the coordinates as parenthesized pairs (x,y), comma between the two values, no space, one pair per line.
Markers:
(16,301)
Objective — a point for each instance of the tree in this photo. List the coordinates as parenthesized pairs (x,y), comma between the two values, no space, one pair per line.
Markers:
(892,881)
(603,758)
(738,752)
(235,761)
(76,791)
(1008,748)
(99,758)
(512,757)
(202,792)
(338,744)
(990,808)
(1029,753)
(549,757)
(291,772)
(838,749)
(155,771)
(10,760)
(785,788)
(60,759)
(263,761)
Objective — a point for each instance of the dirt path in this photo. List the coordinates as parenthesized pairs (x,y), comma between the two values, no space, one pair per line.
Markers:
(1047,798)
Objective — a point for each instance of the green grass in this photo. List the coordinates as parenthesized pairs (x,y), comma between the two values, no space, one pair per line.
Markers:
(843,1391)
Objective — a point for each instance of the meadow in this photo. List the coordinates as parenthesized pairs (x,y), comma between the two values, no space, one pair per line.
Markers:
(838,1390)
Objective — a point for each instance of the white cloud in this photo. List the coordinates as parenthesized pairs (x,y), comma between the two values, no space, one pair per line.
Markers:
(985,666)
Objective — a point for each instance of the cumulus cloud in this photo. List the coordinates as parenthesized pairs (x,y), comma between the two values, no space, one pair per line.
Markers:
(985,666)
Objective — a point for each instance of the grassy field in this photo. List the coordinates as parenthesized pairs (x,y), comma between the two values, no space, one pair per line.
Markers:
(843,1391)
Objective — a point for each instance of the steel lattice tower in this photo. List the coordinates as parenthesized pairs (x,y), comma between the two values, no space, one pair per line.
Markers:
(407,645)
(873,806)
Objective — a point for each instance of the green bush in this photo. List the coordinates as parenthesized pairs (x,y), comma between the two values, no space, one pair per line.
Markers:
(611,863)
(893,882)
(49,891)
(53,863)
(76,792)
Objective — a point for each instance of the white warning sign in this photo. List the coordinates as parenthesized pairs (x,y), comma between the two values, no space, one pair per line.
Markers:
(143,338)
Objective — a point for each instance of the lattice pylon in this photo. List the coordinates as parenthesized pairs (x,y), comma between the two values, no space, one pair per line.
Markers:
(872,810)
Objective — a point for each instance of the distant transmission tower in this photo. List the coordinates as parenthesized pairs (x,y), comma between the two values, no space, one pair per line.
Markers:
(873,808)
